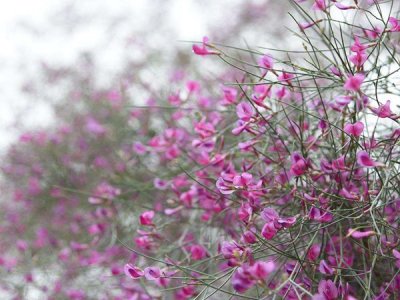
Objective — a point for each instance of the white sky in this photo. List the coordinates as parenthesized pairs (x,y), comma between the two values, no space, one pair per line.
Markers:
(23,46)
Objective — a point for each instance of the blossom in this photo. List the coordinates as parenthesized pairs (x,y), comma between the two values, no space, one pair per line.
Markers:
(266,61)
(324,268)
(152,273)
(244,111)
(394,25)
(202,50)
(198,252)
(358,58)
(261,269)
(133,271)
(360,234)
(146,218)
(326,291)
(299,165)
(319,5)
(353,83)
(354,129)
(364,160)
(384,111)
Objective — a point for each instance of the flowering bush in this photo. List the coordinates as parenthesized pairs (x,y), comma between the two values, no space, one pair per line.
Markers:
(281,184)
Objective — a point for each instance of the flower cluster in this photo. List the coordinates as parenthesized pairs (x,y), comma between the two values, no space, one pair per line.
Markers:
(280,185)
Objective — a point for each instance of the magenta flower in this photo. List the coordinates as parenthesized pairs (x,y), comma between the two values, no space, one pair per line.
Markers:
(335,71)
(225,184)
(152,273)
(160,184)
(146,218)
(133,271)
(198,252)
(269,231)
(242,181)
(360,234)
(342,6)
(245,211)
(394,25)
(305,25)
(319,5)
(244,111)
(316,215)
(343,100)
(231,250)
(353,83)
(384,111)
(230,94)
(287,77)
(314,252)
(326,291)
(354,129)
(299,165)
(94,126)
(266,61)
(358,58)
(242,280)
(249,237)
(261,269)
(324,268)
(202,50)
(364,160)
(396,254)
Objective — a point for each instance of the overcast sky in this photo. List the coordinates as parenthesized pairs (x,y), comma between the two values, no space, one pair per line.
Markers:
(33,31)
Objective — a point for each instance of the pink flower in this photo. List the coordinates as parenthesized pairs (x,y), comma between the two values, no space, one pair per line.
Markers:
(225,184)
(133,271)
(394,25)
(364,160)
(299,165)
(203,49)
(160,184)
(242,280)
(324,268)
(396,254)
(384,111)
(261,269)
(242,181)
(314,252)
(269,214)
(357,46)
(244,111)
(354,129)
(93,126)
(269,231)
(344,7)
(139,148)
(353,83)
(152,273)
(335,71)
(319,5)
(360,234)
(230,94)
(146,218)
(193,86)
(305,25)
(358,58)
(198,252)
(284,76)
(343,100)
(266,62)
(316,215)
(249,237)
(326,291)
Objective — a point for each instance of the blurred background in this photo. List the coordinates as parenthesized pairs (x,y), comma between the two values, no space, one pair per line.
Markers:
(43,40)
